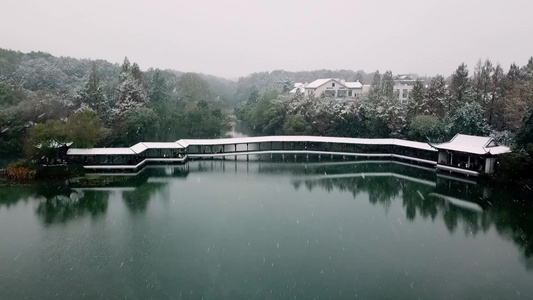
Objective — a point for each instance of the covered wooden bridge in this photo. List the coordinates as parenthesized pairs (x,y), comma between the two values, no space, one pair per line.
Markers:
(137,156)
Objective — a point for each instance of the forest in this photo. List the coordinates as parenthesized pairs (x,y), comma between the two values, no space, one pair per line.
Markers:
(487,102)
(47,100)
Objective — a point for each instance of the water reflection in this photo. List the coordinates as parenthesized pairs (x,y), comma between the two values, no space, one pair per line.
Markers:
(464,208)
(70,205)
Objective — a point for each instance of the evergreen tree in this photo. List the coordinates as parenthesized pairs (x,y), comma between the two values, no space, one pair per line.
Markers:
(482,82)
(132,89)
(527,70)
(375,89)
(287,85)
(437,96)
(495,107)
(460,90)
(524,138)
(193,87)
(93,97)
(387,85)
(158,90)
(468,119)
(513,76)
(417,104)
(125,70)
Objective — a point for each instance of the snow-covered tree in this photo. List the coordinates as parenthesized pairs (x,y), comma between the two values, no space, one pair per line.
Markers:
(93,97)
(132,89)
(494,108)
(437,95)
(418,102)
(468,119)
(482,82)
(387,85)
(460,88)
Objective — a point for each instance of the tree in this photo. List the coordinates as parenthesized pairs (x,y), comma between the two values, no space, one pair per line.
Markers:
(527,71)
(158,90)
(204,121)
(417,104)
(9,95)
(468,119)
(93,96)
(375,88)
(524,138)
(460,89)
(287,85)
(132,89)
(425,128)
(495,107)
(140,125)
(296,125)
(85,129)
(44,137)
(193,87)
(125,70)
(387,85)
(518,101)
(437,96)
(482,82)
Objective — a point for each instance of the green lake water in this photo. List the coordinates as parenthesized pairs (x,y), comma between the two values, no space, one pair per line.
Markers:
(266,230)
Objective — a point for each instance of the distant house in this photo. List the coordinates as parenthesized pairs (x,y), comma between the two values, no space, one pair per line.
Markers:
(403,85)
(298,88)
(334,88)
(469,155)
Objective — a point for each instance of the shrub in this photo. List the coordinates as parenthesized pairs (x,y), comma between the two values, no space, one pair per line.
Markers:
(21,170)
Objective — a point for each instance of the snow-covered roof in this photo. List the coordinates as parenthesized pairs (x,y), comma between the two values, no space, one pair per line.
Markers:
(353,84)
(403,77)
(297,89)
(100,151)
(140,147)
(309,139)
(320,82)
(473,144)
(348,84)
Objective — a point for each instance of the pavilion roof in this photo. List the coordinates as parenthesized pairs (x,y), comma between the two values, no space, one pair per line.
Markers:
(472,144)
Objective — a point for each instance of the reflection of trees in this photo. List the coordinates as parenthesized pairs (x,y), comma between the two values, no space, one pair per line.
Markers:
(11,194)
(511,219)
(66,206)
(380,189)
(137,200)
(414,195)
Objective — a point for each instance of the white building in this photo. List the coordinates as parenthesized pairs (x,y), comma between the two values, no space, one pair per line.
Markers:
(298,87)
(403,85)
(334,88)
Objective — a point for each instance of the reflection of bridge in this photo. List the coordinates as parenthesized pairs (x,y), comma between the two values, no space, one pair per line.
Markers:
(348,173)
(311,147)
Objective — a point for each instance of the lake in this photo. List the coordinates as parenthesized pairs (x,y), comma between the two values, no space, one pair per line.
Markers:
(266,230)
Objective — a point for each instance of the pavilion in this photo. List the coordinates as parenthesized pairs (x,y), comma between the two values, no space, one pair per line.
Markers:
(469,155)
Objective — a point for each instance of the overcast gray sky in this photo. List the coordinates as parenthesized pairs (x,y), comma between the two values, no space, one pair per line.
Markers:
(233,38)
